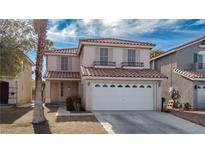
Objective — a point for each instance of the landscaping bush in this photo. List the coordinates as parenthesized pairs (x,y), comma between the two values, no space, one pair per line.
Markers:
(177,105)
(73,103)
(187,106)
(77,103)
(69,104)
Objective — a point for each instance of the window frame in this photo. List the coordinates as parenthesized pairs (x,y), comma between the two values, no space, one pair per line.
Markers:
(103,56)
(131,56)
(64,63)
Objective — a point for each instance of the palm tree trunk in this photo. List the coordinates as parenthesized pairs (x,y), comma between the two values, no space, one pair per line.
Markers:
(38,114)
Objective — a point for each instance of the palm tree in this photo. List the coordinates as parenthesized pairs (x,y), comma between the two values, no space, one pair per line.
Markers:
(40,26)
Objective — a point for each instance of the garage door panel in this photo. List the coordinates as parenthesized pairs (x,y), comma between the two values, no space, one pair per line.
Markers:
(106,98)
(201,97)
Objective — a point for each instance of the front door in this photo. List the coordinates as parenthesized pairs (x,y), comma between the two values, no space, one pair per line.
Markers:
(4,92)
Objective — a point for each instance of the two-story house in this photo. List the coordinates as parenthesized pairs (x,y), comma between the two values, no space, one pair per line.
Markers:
(17,89)
(108,74)
(185,68)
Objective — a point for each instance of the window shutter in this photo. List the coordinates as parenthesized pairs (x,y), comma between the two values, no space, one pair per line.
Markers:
(58,63)
(195,57)
(110,54)
(125,55)
(199,60)
(137,55)
(97,54)
(69,63)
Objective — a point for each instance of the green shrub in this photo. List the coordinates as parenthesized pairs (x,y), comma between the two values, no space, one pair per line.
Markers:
(73,103)
(69,104)
(77,103)
(187,106)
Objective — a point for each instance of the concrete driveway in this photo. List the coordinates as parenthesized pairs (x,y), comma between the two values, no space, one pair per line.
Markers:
(146,122)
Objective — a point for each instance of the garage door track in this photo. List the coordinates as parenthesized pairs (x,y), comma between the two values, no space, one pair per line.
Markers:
(146,122)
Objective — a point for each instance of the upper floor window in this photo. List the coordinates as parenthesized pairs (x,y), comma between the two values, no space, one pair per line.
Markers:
(64,63)
(131,57)
(103,56)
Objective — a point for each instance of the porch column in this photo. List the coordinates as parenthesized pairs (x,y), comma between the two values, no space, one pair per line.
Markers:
(48,92)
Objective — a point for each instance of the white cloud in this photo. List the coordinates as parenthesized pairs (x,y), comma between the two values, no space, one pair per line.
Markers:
(200,22)
(106,28)
(61,35)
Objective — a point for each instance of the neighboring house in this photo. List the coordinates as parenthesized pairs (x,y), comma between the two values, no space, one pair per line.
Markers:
(108,74)
(185,68)
(17,90)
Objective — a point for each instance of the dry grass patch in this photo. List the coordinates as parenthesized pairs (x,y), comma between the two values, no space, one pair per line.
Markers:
(18,120)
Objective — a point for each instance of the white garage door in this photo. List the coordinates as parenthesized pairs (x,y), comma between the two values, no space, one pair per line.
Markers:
(122,97)
(201,97)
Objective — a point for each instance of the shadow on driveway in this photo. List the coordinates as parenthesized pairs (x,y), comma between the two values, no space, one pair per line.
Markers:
(9,115)
(42,128)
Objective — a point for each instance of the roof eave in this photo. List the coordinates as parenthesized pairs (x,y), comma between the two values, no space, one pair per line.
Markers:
(123,78)
(63,79)
(175,50)
(193,79)
(113,45)
(60,54)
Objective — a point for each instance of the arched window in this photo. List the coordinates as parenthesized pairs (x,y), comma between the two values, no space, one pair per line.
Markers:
(199,87)
(127,86)
(134,86)
(105,85)
(112,86)
(141,86)
(97,85)
(204,87)
(120,86)
(149,86)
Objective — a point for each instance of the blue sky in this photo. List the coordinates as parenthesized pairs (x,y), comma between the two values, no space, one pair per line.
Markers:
(165,34)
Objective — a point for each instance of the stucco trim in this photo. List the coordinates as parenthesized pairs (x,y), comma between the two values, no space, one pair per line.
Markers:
(63,79)
(124,79)
(60,54)
(112,45)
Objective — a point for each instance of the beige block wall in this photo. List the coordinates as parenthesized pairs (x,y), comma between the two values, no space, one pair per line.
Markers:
(70,89)
(24,85)
(89,55)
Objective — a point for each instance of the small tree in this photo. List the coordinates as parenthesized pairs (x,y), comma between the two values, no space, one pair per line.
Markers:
(155,53)
(174,94)
(17,38)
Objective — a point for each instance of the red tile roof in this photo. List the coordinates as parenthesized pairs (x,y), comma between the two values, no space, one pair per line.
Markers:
(192,74)
(67,51)
(62,74)
(116,41)
(120,72)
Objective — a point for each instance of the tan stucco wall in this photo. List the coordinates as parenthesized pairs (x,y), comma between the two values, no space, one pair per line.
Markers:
(89,55)
(55,90)
(165,65)
(52,63)
(24,80)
